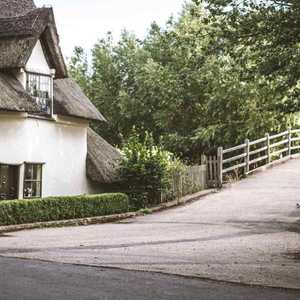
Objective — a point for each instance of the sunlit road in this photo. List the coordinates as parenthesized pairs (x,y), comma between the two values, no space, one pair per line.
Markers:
(248,233)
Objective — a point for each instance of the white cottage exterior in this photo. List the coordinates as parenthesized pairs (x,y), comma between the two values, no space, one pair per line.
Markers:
(59,147)
(46,146)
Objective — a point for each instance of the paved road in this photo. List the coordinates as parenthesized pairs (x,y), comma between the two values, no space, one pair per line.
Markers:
(32,280)
(248,233)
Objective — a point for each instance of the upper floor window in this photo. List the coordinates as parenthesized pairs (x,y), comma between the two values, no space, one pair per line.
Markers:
(40,86)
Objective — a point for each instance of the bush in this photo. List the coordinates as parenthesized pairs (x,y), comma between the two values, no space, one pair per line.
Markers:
(61,208)
(145,170)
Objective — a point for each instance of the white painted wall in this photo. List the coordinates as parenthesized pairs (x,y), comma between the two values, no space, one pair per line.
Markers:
(37,62)
(21,76)
(62,147)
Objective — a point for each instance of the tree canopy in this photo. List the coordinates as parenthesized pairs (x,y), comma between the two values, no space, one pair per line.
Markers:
(270,31)
(223,71)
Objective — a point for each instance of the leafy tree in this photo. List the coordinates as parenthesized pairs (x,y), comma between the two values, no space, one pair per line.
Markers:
(201,81)
(79,68)
(264,37)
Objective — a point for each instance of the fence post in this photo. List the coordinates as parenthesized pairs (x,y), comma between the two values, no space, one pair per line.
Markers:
(220,167)
(181,188)
(268,147)
(247,157)
(290,143)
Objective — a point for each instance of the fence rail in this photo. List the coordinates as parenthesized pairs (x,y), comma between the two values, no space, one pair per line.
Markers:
(251,155)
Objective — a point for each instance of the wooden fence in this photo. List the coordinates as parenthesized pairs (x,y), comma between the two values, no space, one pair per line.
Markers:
(248,157)
(211,163)
(233,162)
(191,180)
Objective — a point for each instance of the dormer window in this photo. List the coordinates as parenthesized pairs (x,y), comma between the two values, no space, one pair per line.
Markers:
(40,87)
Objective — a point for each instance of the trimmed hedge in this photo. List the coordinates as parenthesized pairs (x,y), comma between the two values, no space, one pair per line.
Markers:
(61,208)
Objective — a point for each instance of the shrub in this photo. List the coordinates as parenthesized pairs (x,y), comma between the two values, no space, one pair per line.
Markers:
(145,170)
(61,208)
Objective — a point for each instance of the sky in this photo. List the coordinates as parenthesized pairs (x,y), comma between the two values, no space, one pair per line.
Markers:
(83,22)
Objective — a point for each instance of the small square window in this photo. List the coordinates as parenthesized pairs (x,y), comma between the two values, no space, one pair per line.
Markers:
(33,181)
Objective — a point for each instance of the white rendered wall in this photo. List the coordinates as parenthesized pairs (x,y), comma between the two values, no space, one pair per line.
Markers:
(62,147)
(21,76)
(37,62)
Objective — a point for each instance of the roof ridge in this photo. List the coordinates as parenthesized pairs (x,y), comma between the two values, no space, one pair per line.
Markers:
(23,15)
(30,24)
(13,8)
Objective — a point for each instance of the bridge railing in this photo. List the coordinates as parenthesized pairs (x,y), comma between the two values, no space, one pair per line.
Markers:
(252,155)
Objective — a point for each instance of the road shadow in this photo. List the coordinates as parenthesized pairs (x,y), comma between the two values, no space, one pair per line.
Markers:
(295,227)
(2,235)
(271,226)
(295,255)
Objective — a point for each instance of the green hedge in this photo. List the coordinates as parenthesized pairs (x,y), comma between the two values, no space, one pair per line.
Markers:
(61,208)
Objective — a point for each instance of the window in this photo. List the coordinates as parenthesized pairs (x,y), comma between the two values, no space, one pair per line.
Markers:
(33,181)
(9,179)
(39,86)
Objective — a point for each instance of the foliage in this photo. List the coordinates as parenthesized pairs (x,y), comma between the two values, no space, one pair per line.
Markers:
(61,208)
(206,79)
(145,211)
(79,68)
(263,36)
(145,170)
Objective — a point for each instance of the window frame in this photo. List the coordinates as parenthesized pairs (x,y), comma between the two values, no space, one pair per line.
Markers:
(16,175)
(33,180)
(50,91)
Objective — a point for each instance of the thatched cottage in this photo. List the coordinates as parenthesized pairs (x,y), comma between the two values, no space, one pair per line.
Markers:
(46,146)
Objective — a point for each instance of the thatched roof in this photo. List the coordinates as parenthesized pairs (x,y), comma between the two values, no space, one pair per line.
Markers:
(32,23)
(14,52)
(70,100)
(21,26)
(19,34)
(102,160)
(12,8)
(13,97)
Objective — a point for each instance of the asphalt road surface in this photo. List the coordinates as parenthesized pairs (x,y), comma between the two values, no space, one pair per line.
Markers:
(248,233)
(35,280)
